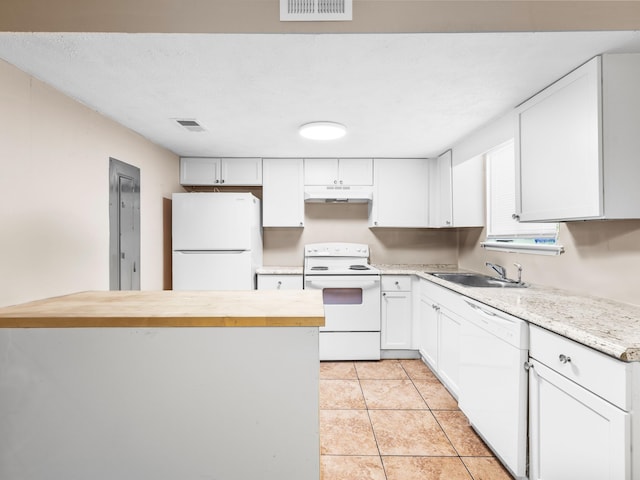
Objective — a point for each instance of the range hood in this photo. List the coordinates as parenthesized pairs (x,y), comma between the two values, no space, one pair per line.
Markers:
(337,194)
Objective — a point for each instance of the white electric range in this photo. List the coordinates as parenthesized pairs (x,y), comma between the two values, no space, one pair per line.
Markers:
(351,295)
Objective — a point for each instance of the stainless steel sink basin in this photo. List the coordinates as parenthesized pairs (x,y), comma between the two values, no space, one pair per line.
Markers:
(477,280)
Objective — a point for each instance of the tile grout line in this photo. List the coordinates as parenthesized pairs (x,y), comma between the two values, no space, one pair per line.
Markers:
(375,437)
(358,377)
(440,425)
(438,422)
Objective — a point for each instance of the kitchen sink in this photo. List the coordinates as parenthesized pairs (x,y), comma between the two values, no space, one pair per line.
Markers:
(477,280)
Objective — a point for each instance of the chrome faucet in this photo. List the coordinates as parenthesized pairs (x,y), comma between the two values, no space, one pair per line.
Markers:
(519,267)
(499,269)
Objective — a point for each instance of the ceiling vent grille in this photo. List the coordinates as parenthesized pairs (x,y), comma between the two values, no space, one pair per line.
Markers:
(190,125)
(316,10)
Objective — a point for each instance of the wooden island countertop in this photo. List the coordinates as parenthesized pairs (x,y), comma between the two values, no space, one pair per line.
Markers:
(233,396)
(168,308)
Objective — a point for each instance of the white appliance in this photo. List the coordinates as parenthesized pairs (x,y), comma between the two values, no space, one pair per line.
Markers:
(217,241)
(337,194)
(351,296)
(494,349)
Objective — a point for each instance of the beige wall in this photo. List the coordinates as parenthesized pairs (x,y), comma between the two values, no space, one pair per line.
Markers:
(348,223)
(601,258)
(369,16)
(54,187)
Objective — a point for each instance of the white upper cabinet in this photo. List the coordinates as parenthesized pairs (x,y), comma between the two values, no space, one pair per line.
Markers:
(468,196)
(400,193)
(440,191)
(220,171)
(342,171)
(577,144)
(282,192)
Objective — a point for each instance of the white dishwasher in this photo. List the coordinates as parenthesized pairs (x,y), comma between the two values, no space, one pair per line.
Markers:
(493,381)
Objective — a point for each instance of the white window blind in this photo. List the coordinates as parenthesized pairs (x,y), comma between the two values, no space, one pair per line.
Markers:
(503,231)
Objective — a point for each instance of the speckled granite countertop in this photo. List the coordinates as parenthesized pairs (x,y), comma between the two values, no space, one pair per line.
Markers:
(268,270)
(610,327)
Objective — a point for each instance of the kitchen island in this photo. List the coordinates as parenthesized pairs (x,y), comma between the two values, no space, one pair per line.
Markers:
(161,385)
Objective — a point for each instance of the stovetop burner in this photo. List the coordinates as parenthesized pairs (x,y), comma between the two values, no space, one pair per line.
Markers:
(333,259)
(358,267)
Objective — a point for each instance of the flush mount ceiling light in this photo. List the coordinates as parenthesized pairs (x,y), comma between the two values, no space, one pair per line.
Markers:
(323,130)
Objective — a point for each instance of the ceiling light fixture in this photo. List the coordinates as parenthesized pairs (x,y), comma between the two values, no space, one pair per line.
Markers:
(323,130)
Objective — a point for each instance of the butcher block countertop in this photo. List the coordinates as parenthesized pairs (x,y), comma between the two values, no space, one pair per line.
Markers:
(255,308)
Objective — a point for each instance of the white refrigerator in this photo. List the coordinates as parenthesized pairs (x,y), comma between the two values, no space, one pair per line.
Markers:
(216,241)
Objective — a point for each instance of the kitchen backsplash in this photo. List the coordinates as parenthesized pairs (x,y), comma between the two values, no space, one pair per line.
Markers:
(349,223)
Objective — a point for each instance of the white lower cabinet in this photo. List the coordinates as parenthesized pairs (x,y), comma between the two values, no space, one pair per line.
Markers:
(396,316)
(449,349)
(575,432)
(279,282)
(439,333)
(428,331)
(580,400)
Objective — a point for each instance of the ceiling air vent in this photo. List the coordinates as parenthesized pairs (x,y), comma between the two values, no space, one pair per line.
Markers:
(316,10)
(190,125)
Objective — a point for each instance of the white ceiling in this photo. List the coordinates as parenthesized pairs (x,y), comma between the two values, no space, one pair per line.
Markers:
(400,95)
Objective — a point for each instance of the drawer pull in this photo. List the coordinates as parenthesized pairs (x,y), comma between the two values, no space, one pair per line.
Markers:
(564,359)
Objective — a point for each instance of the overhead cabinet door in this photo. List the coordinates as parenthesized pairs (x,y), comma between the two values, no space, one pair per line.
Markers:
(343,171)
(282,193)
(560,154)
(241,171)
(577,144)
(220,171)
(400,193)
(199,171)
(355,171)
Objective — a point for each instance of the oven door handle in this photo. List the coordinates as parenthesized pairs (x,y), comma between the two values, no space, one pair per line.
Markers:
(346,284)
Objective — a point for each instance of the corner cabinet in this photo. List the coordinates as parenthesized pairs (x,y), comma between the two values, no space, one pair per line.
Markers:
(577,144)
(282,192)
(400,193)
(396,317)
(579,419)
(207,171)
(440,191)
(468,193)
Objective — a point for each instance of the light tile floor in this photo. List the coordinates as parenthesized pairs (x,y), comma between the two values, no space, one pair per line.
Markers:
(393,420)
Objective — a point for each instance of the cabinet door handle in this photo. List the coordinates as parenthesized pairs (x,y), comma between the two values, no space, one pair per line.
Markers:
(564,359)
(384,294)
(515,216)
(279,284)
